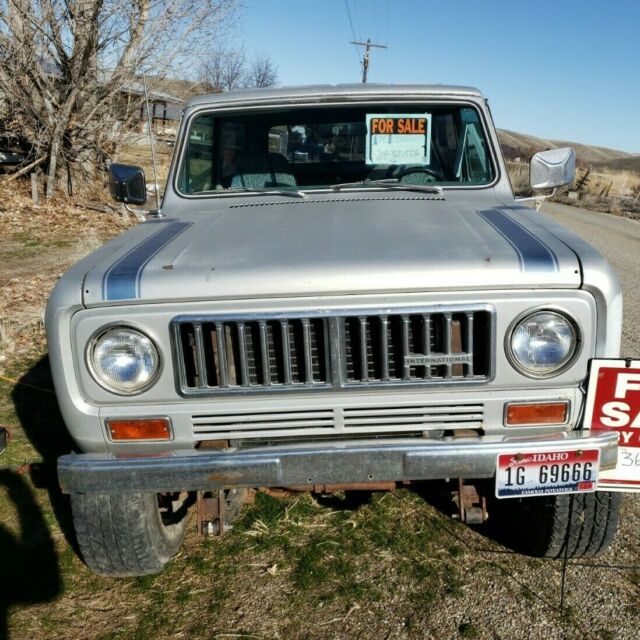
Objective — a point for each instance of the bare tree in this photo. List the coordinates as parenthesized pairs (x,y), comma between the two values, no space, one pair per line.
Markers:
(69,68)
(262,72)
(226,69)
(233,69)
(212,70)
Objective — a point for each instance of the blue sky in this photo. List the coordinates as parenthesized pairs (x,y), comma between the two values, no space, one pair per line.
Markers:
(561,69)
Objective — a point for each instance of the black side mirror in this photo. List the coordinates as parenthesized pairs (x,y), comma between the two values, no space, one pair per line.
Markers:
(127,184)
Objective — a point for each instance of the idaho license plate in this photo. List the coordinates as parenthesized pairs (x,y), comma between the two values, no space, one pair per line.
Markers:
(546,473)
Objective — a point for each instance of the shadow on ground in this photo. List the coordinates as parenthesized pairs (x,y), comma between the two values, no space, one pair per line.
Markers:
(29,571)
(42,423)
(502,526)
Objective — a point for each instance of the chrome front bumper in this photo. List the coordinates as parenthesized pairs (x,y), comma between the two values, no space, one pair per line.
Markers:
(317,463)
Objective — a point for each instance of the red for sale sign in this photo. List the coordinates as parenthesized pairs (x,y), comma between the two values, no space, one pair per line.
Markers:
(613,404)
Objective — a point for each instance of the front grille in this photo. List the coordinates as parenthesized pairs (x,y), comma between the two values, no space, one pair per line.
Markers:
(221,425)
(419,347)
(337,421)
(253,353)
(416,347)
(457,416)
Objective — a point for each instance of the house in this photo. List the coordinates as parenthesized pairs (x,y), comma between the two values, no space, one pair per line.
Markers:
(166,100)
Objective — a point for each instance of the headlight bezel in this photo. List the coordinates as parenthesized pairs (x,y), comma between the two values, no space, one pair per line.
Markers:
(95,376)
(521,369)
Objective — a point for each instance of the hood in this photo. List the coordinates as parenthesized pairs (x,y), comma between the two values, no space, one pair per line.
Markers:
(336,244)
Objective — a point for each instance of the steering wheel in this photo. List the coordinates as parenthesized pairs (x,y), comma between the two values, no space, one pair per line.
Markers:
(432,172)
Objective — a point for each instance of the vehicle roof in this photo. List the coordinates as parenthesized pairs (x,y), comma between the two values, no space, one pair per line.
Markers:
(329,91)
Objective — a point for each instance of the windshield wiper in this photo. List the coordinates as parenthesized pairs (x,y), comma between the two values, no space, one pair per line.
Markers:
(387,183)
(294,193)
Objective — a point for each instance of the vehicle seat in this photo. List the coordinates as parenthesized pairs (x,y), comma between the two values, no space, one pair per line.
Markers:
(414,175)
(260,172)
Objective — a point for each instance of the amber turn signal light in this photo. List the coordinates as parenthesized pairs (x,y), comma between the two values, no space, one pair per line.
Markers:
(140,429)
(536,413)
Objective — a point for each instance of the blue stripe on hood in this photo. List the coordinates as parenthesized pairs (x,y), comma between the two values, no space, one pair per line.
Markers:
(533,254)
(121,281)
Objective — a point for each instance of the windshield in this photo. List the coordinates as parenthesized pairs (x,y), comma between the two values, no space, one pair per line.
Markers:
(318,148)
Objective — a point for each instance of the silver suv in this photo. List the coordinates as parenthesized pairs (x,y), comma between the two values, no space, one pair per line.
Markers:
(338,292)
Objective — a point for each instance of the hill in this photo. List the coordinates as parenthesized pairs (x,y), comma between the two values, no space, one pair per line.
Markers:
(631,163)
(520,145)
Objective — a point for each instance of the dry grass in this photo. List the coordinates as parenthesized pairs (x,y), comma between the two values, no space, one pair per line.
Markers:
(140,155)
(38,245)
(612,183)
(606,190)
(600,183)
(519,177)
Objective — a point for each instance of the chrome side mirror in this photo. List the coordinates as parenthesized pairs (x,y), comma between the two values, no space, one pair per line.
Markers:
(127,184)
(552,168)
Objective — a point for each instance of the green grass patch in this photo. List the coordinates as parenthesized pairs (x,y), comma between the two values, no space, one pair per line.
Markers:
(145,583)
(266,510)
(343,552)
(199,563)
(468,630)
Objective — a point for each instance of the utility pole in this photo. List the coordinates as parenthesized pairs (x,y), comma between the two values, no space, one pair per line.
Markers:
(365,61)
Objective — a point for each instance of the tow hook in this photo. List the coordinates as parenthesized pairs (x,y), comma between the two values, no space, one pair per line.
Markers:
(217,510)
(470,502)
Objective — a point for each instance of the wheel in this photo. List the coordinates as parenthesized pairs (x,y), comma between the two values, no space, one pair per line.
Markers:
(578,525)
(129,534)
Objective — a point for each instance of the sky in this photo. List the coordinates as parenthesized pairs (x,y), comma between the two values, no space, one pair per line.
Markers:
(559,69)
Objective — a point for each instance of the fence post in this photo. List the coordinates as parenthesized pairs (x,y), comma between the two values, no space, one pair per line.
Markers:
(34,189)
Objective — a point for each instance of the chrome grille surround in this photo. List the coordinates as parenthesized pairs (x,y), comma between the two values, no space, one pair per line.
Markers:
(344,349)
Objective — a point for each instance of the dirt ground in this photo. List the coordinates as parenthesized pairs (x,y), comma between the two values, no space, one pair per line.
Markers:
(392,567)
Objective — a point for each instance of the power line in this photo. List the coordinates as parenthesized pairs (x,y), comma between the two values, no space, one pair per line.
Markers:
(386,23)
(376,33)
(353,33)
(356,13)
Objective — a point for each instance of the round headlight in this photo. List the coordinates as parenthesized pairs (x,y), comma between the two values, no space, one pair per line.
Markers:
(123,360)
(543,343)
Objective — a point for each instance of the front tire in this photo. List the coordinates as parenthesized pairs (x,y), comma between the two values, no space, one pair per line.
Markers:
(130,534)
(579,525)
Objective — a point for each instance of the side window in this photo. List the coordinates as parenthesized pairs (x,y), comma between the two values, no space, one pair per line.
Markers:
(198,172)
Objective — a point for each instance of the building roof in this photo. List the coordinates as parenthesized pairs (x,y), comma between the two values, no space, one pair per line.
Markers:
(327,91)
(137,88)
(167,89)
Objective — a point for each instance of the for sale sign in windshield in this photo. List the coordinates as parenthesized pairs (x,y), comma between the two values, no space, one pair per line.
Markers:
(398,138)
(613,404)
